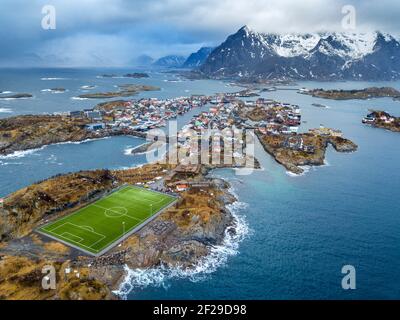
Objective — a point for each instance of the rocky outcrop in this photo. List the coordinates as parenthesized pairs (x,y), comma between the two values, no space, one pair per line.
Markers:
(35,131)
(29,132)
(363,94)
(306,149)
(125,91)
(382,119)
(180,236)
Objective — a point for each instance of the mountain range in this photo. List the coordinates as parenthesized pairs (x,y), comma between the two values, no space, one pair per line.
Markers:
(317,56)
(196,59)
(171,61)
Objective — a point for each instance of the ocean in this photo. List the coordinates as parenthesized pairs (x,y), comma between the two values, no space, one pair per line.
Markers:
(294,233)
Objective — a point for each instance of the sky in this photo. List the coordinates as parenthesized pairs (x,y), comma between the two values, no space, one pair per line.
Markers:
(116,32)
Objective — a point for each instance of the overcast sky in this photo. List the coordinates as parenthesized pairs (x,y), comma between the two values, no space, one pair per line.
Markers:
(114,32)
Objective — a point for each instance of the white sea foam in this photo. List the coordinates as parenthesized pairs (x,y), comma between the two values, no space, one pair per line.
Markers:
(6,92)
(53,79)
(21,154)
(129,149)
(10,99)
(10,163)
(217,257)
(80,142)
(5,110)
(79,98)
(88,87)
(54,91)
(306,169)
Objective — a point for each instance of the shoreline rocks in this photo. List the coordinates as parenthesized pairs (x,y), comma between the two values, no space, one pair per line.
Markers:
(363,94)
(306,149)
(179,237)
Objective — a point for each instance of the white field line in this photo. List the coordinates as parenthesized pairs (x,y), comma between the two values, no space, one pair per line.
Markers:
(73,235)
(56,235)
(79,227)
(124,215)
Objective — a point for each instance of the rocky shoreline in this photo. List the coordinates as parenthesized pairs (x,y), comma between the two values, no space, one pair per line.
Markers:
(179,237)
(363,94)
(127,90)
(306,149)
(17,96)
(383,120)
(23,133)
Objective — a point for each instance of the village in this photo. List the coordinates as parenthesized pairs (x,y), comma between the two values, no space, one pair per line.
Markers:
(222,127)
(381,119)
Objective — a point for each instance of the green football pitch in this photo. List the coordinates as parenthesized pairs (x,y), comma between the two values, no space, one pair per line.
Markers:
(99,226)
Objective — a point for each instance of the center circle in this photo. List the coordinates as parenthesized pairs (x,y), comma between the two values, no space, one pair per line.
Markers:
(115,212)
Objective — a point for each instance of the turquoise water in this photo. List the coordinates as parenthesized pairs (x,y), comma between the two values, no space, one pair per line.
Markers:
(298,231)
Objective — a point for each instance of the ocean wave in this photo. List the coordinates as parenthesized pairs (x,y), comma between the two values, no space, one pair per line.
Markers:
(21,154)
(53,79)
(129,149)
(10,99)
(88,87)
(10,163)
(306,169)
(54,91)
(217,257)
(6,110)
(6,92)
(79,98)
(80,142)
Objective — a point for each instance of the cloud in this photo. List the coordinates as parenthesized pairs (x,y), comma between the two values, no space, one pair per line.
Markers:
(113,32)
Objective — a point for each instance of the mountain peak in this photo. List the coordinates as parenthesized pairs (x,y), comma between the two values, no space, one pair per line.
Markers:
(196,59)
(246,29)
(327,55)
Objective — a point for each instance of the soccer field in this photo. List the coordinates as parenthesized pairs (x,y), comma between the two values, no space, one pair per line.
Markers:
(99,226)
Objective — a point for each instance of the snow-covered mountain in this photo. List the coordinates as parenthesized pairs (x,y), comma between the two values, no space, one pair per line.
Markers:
(170,61)
(196,59)
(322,56)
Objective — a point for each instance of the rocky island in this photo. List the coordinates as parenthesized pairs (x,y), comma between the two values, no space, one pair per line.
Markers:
(35,131)
(126,90)
(367,93)
(17,96)
(57,90)
(180,237)
(136,75)
(382,119)
(305,149)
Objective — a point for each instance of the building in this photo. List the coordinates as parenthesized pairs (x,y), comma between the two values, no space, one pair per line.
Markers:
(75,114)
(93,115)
(95,126)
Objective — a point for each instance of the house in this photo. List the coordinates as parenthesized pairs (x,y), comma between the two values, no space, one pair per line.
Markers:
(93,115)
(294,142)
(75,114)
(95,126)
(182,187)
